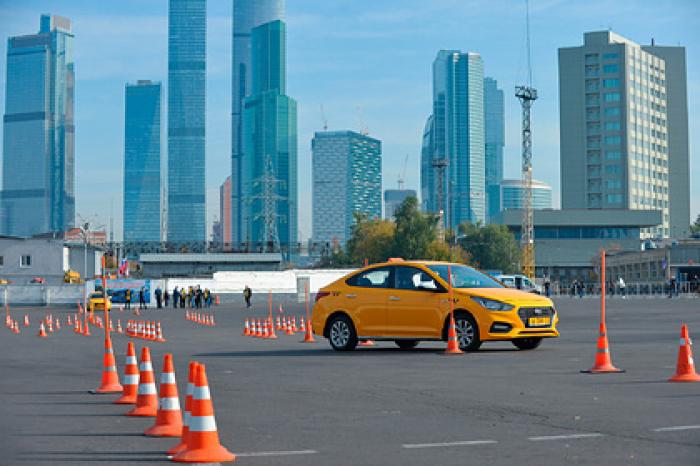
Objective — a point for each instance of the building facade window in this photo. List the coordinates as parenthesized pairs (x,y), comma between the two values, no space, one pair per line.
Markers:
(611,68)
(612,97)
(611,83)
(25,261)
(612,111)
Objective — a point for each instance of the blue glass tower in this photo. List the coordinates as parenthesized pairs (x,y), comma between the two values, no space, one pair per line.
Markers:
(38,189)
(142,187)
(247,14)
(187,33)
(456,137)
(269,146)
(494,126)
(347,178)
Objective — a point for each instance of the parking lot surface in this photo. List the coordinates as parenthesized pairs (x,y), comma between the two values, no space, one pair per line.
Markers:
(283,402)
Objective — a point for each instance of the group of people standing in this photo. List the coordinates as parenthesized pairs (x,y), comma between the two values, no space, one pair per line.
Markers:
(192,297)
(128,297)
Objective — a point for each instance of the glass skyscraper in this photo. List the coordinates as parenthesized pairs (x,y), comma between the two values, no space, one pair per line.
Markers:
(142,175)
(494,127)
(187,34)
(38,190)
(247,14)
(347,178)
(513,194)
(455,137)
(269,159)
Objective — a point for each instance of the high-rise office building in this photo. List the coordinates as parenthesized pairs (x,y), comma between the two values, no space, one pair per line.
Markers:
(142,162)
(494,130)
(455,137)
(624,129)
(247,14)
(187,34)
(38,189)
(513,194)
(225,213)
(347,178)
(393,198)
(269,161)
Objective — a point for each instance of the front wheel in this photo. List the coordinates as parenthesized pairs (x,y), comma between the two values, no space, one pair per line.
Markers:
(342,335)
(467,333)
(527,343)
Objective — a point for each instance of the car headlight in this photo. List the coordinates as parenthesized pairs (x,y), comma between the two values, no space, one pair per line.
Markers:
(492,304)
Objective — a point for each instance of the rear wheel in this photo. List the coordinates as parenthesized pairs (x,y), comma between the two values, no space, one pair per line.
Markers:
(341,333)
(527,343)
(467,333)
(406,344)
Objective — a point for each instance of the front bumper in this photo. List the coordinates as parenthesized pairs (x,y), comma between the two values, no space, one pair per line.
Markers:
(520,323)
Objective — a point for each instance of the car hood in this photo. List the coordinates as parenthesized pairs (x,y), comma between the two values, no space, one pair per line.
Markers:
(506,295)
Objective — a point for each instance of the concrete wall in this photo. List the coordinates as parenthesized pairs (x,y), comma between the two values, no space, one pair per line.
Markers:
(40,295)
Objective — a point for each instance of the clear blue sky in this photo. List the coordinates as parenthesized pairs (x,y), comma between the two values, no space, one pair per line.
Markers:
(364,60)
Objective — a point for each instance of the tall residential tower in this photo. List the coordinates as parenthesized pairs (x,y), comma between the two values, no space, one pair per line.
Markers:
(624,129)
(187,35)
(38,189)
(142,162)
(453,143)
(247,14)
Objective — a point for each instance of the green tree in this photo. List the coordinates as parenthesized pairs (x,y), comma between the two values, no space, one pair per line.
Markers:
(695,228)
(490,247)
(371,239)
(416,231)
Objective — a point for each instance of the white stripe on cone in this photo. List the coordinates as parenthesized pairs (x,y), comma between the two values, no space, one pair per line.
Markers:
(131,379)
(147,389)
(167,377)
(201,393)
(170,403)
(202,424)
(146,366)
(131,361)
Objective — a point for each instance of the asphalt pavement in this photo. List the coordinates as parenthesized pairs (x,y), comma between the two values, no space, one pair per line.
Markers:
(284,402)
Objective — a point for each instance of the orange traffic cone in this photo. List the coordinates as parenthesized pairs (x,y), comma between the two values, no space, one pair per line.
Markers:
(290,329)
(685,368)
(259,329)
(58,324)
(110,377)
(130,382)
(217,300)
(203,439)
(271,335)
(278,324)
(42,331)
(603,361)
(169,418)
(309,336)
(211,321)
(15,327)
(78,327)
(266,331)
(69,320)
(119,326)
(294,324)
(246,328)
(302,324)
(452,343)
(159,333)
(366,343)
(182,445)
(49,325)
(284,325)
(147,397)
(86,328)
(26,320)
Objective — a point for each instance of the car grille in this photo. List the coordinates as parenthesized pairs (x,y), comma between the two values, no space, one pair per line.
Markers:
(526,312)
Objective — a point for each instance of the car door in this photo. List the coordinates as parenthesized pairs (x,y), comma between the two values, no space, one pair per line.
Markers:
(416,304)
(366,297)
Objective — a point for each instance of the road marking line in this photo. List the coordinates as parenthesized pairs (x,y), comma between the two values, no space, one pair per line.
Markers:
(278,453)
(448,444)
(564,437)
(675,428)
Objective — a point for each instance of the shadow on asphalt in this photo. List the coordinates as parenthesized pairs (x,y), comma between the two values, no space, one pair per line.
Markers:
(74,415)
(65,392)
(88,434)
(357,353)
(106,402)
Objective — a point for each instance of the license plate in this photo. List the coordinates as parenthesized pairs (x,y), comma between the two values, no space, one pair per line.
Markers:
(538,321)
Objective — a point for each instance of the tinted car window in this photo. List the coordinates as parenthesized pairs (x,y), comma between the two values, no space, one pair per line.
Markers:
(373,278)
(411,278)
(465,277)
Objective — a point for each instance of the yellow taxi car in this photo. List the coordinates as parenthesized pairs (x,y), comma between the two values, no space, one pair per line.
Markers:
(409,301)
(96,302)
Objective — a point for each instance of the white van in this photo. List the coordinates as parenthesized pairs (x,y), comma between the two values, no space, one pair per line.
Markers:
(520,282)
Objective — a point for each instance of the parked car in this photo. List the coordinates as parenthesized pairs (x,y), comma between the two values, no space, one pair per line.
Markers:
(519,282)
(38,280)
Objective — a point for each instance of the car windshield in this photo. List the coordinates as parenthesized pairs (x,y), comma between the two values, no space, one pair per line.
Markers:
(96,295)
(465,277)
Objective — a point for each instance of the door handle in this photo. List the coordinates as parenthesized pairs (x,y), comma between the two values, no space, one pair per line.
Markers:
(394,298)
(351,296)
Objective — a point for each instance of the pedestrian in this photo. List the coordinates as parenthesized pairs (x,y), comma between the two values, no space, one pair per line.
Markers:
(247,294)
(671,287)
(183,298)
(159,298)
(142,298)
(127,298)
(176,297)
(622,286)
(166,297)
(574,288)
(207,297)
(581,289)
(198,297)
(547,286)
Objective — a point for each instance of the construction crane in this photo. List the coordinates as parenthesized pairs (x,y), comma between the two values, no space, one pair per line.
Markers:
(402,175)
(527,95)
